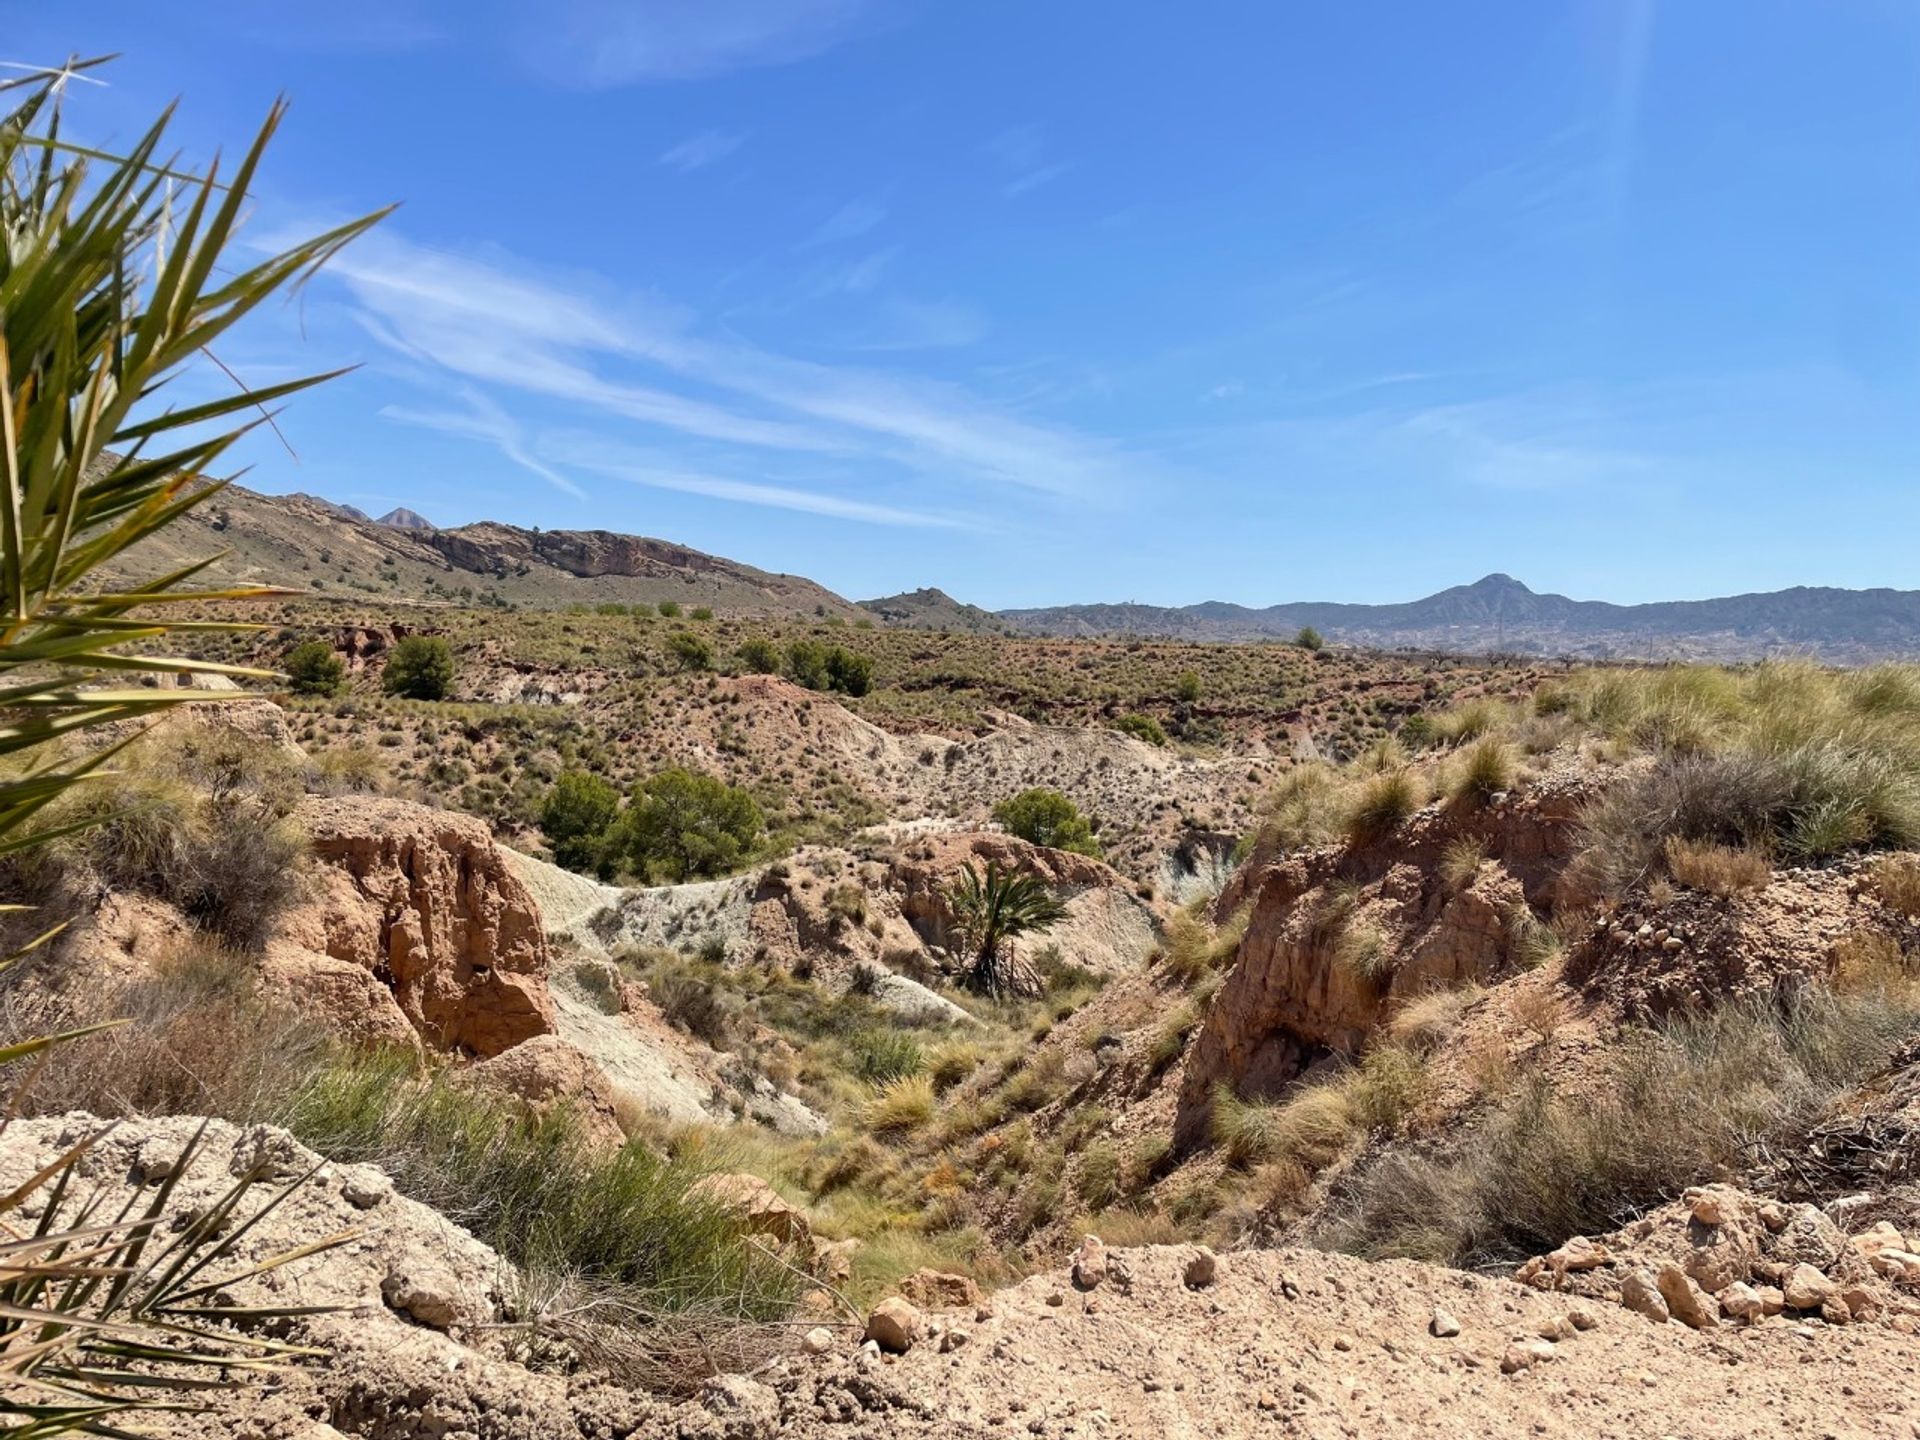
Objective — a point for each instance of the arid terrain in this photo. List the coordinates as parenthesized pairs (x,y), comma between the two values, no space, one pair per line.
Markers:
(1391,1042)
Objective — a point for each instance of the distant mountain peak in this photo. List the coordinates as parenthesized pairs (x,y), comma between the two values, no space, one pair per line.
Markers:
(401,518)
(1502,582)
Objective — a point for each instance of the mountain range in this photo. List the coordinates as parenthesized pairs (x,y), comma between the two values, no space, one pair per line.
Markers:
(1500,613)
(322,546)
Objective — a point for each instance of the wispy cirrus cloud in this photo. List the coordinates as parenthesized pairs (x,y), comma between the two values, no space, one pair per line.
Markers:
(1022,149)
(849,222)
(696,152)
(601,43)
(484,328)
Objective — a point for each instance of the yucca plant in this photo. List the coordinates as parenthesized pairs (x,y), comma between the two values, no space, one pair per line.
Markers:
(992,907)
(111,284)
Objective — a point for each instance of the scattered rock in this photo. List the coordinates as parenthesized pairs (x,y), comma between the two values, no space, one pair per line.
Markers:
(1717,1204)
(1686,1301)
(1581,1317)
(894,1324)
(1525,1355)
(1741,1301)
(1090,1262)
(425,1297)
(1201,1267)
(954,1337)
(1875,1240)
(940,1290)
(1810,1238)
(1443,1324)
(1641,1295)
(1806,1288)
(755,1206)
(746,1409)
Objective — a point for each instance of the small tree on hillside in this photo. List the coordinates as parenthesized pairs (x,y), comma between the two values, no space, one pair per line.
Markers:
(575,818)
(758,656)
(1046,817)
(807,664)
(1309,638)
(690,651)
(681,823)
(991,908)
(1187,688)
(313,669)
(849,673)
(420,668)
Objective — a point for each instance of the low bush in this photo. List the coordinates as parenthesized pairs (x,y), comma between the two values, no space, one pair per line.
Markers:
(1142,727)
(1046,817)
(419,668)
(1689,1102)
(1382,804)
(312,668)
(901,1105)
(1717,869)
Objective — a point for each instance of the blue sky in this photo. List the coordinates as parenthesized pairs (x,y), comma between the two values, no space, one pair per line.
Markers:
(1074,301)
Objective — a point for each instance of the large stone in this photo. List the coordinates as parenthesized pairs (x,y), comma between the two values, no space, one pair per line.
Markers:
(1090,1262)
(1807,1288)
(548,1074)
(1875,1239)
(940,1290)
(1640,1294)
(1810,1238)
(1686,1301)
(1741,1301)
(754,1206)
(894,1324)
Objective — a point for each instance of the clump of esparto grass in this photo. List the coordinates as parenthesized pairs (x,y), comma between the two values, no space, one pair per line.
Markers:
(1426,1022)
(1717,869)
(902,1105)
(1485,769)
(1363,950)
(1689,1102)
(1460,862)
(1195,948)
(1383,803)
(1895,882)
(1097,1181)
(1307,807)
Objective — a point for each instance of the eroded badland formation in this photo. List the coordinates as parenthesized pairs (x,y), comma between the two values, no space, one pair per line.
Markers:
(1344,1043)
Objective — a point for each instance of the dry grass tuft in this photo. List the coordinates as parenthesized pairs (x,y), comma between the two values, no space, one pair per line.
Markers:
(1895,882)
(1717,869)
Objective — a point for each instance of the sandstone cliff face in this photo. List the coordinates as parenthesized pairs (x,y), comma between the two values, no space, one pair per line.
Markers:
(420,928)
(1295,992)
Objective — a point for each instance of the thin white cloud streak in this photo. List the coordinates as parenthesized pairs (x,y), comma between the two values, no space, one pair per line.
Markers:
(849,222)
(696,152)
(1034,180)
(489,323)
(599,43)
(619,464)
(486,422)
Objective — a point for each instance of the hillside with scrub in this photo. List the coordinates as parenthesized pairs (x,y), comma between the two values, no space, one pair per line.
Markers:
(435,1015)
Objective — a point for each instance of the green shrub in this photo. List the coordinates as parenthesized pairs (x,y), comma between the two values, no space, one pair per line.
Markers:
(313,669)
(1046,817)
(1487,769)
(807,664)
(701,612)
(670,609)
(575,818)
(681,823)
(1187,687)
(849,673)
(759,656)
(1309,638)
(1141,727)
(882,1055)
(420,668)
(690,651)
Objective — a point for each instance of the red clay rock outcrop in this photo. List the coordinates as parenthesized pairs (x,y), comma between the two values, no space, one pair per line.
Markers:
(1291,997)
(419,906)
